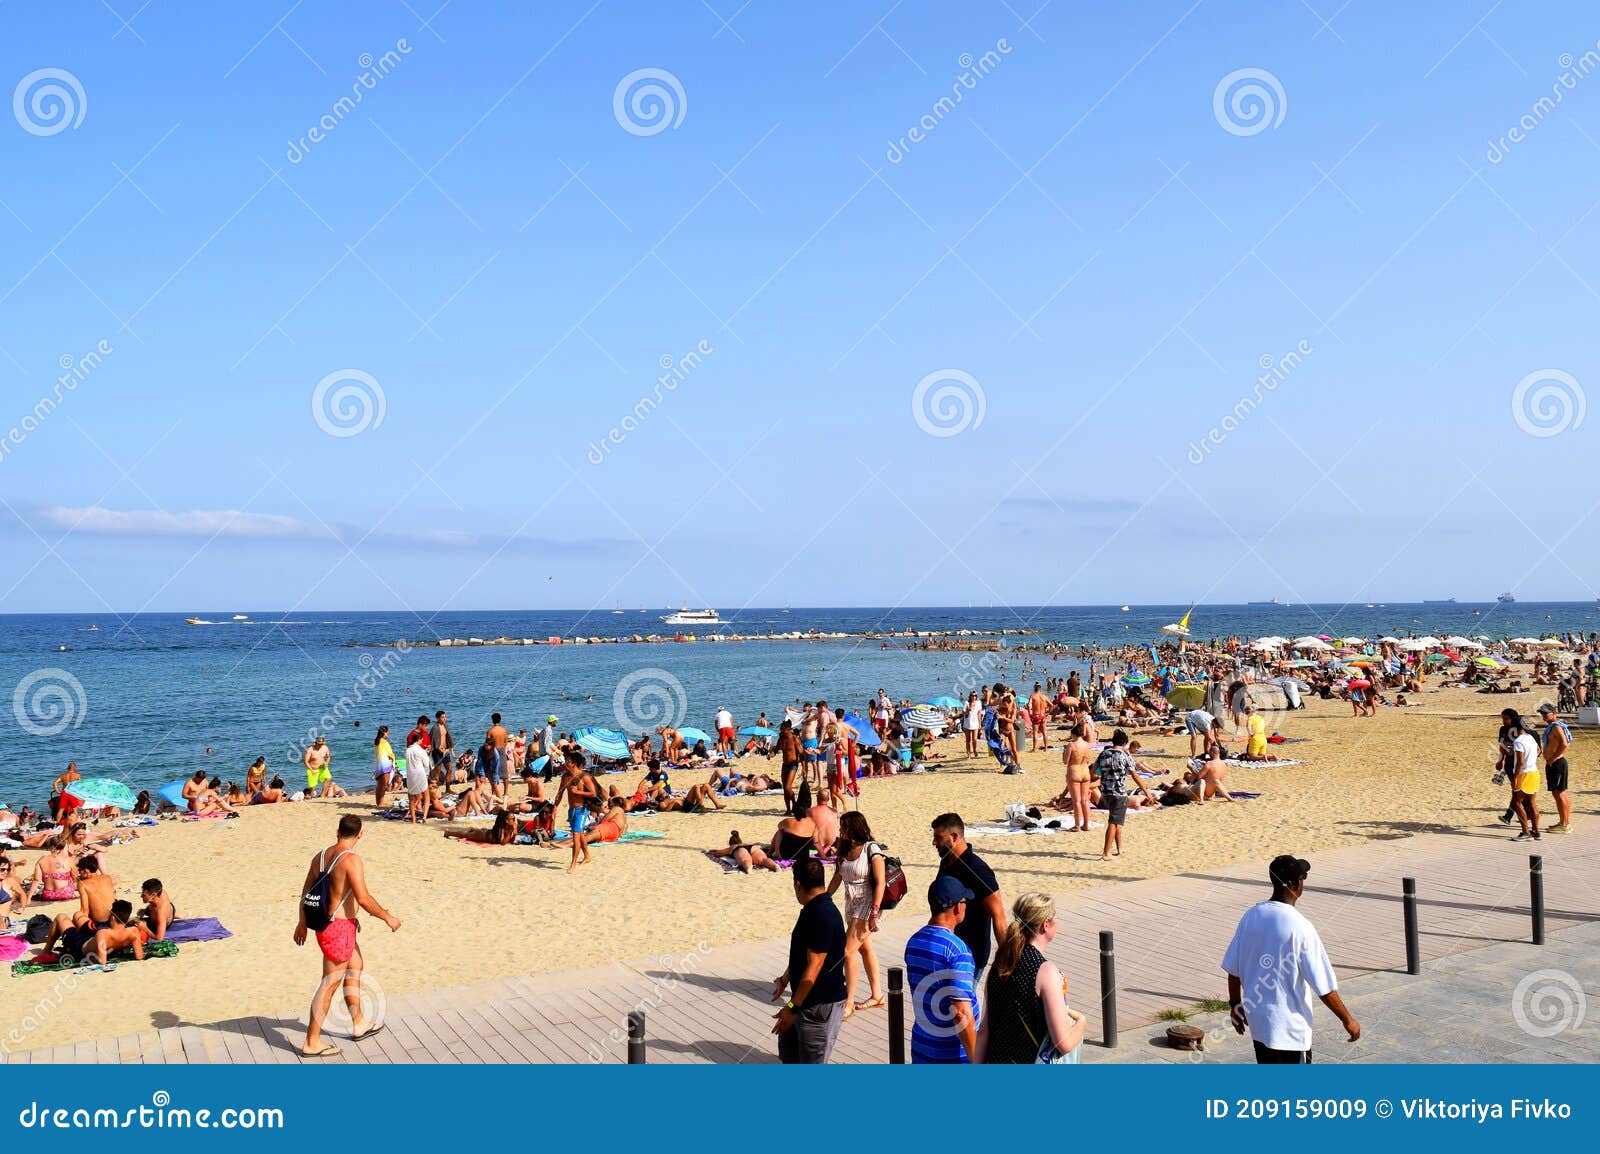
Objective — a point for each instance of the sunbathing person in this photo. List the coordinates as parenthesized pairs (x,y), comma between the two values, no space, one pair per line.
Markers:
(609,828)
(96,892)
(695,801)
(158,913)
(794,838)
(54,874)
(477,800)
(121,932)
(271,795)
(745,856)
(503,832)
(13,894)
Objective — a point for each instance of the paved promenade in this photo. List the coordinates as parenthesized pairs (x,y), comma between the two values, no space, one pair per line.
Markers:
(713,1006)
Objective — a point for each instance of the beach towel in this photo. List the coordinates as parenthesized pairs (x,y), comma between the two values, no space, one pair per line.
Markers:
(128,822)
(1053,825)
(1240,796)
(631,835)
(727,862)
(12,947)
(197,930)
(1234,761)
(47,963)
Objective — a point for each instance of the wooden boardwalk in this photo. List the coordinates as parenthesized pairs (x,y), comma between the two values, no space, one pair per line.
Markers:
(713,1006)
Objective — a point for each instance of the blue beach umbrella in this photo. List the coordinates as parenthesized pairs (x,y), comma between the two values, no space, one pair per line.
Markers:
(946,702)
(608,743)
(173,792)
(920,718)
(96,792)
(757,731)
(691,735)
(1136,679)
(866,736)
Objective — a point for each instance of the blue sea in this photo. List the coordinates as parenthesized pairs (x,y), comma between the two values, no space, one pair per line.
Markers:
(141,697)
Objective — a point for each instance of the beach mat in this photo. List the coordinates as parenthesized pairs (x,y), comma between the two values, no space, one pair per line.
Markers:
(47,963)
(1237,764)
(197,930)
(631,835)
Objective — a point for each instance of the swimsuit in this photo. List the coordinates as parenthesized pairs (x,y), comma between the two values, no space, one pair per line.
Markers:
(606,831)
(792,845)
(338,941)
(321,775)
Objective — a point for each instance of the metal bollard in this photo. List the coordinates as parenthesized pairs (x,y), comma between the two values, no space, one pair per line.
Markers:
(1408,901)
(1108,988)
(1536,896)
(897,1016)
(636,1038)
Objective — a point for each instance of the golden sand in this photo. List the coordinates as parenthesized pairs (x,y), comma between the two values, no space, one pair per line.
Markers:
(477,912)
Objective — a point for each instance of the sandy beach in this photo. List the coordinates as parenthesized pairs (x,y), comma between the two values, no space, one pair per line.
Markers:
(475,912)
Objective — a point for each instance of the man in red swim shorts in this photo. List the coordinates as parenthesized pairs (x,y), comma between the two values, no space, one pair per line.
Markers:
(344,874)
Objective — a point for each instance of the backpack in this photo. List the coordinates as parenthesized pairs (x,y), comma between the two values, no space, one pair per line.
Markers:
(894,880)
(38,929)
(316,902)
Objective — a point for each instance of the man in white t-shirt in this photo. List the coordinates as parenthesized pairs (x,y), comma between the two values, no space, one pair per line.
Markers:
(1275,963)
(724,728)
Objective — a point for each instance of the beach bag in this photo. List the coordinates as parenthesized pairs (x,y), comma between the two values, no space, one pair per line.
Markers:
(1048,1055)
(315,903)
(894,880)
(38,929)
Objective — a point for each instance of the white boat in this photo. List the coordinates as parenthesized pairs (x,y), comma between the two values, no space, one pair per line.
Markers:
(241,617)
(1125,609)
(687,616)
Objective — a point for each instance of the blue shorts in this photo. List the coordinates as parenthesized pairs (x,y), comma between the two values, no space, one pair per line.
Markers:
(489,767)
(579,819)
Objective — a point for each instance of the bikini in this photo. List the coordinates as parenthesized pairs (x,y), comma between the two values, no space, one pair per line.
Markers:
(792,845)
(58,895)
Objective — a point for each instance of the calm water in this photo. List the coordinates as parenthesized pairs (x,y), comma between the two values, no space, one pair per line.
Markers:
(156,692)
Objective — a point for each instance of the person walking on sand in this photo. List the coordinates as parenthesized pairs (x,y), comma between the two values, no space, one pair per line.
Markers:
(336,881)
(1115,768)
(1554,743)
(1275,963)
(499,738)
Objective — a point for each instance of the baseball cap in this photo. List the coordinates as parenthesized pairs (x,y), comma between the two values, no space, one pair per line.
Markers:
(945,893)
(1546,707)
(552,719)
(1286,869)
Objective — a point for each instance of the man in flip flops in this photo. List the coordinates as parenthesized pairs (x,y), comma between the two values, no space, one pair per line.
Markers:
(342,963)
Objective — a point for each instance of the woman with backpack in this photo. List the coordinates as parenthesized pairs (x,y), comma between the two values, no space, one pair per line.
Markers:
(861,870)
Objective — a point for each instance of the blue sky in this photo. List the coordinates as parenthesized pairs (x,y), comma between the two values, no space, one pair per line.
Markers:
(1093,249)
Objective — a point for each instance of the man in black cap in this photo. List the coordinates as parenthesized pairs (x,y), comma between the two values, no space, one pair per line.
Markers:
(944,996)
(808,1024)
(1275,962)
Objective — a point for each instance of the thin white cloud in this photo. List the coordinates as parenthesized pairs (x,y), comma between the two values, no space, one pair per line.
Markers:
(189,523)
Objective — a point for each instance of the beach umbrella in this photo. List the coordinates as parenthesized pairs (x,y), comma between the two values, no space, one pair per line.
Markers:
(1551,641)
(1468,645)
(1273,641)
(920,718)
(1136,678)
(1363,663)
(608,743)
(1487,662)
(538,763)
(866,736)
(1414,646)
(691,735)
(757,731)
(1436,658)
(1355,640)
(1389,640)
(1311,643)
(172,792)
(97,792)
(1301,663)
(946,702)
(1430,641)
(1186,696)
